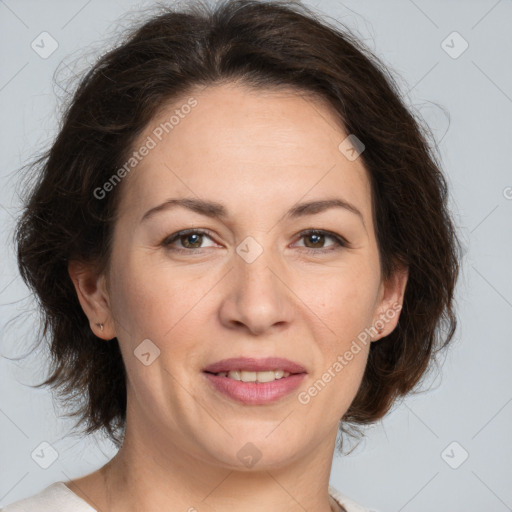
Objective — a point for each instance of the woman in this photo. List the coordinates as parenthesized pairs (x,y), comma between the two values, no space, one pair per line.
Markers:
(241,244)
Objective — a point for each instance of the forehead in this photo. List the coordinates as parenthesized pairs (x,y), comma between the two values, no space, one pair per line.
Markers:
(247,148)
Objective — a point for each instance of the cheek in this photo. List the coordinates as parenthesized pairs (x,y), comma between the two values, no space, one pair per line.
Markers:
(345,304)
(154,301)
(331,391)
(344,300)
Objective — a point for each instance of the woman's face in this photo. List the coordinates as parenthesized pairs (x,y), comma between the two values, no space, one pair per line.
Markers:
(250,284)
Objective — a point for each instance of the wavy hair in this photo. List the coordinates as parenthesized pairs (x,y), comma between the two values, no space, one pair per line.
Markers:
(264,45)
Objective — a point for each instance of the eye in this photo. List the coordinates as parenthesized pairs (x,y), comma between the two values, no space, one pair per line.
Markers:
(317,237)
(191,239)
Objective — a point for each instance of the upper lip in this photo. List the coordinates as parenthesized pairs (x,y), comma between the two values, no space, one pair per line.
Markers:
(255,365)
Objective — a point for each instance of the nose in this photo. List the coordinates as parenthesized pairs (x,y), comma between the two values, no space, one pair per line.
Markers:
(257,297)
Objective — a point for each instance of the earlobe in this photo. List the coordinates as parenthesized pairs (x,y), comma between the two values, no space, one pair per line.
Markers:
(93,297)
(388,311)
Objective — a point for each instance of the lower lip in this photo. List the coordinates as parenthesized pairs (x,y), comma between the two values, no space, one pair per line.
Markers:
(254,393)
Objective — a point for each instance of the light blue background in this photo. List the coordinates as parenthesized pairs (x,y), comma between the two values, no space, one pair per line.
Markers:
(400,466)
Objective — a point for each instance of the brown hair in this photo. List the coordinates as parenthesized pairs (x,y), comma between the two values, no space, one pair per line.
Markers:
(262,45)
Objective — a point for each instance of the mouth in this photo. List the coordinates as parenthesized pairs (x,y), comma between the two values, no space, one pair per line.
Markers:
(255,381)
(248,369)
(249,376)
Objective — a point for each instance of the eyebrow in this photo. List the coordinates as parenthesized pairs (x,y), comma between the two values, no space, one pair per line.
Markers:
(217,210)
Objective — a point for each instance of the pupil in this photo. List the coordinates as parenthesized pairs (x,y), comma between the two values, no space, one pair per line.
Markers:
(191,235)
(317,237)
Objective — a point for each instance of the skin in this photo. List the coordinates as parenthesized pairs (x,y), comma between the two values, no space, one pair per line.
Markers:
(258,153)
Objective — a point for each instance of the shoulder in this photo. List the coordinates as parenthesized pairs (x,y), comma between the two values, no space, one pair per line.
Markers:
(349,504)
(57,497)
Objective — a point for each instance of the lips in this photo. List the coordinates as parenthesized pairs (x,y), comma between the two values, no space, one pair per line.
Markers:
(255,365)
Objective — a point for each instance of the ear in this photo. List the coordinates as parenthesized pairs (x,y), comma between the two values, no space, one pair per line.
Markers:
(391,299)
(93,296)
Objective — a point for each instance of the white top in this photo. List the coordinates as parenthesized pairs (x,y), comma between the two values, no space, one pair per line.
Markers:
(58,497)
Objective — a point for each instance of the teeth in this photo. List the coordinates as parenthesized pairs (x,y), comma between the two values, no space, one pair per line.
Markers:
(267,376)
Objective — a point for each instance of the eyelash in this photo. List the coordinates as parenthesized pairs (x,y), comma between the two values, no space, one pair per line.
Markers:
(340,242)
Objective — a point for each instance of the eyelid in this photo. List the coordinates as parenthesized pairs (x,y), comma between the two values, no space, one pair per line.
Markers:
(166,242)
(311,231)
(340,241)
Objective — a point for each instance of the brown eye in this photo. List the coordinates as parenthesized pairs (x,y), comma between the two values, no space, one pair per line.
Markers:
(316,240)
(192,239)
(189,239)
(191,244)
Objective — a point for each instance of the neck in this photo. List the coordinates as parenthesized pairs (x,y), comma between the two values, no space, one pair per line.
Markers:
(150,473)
